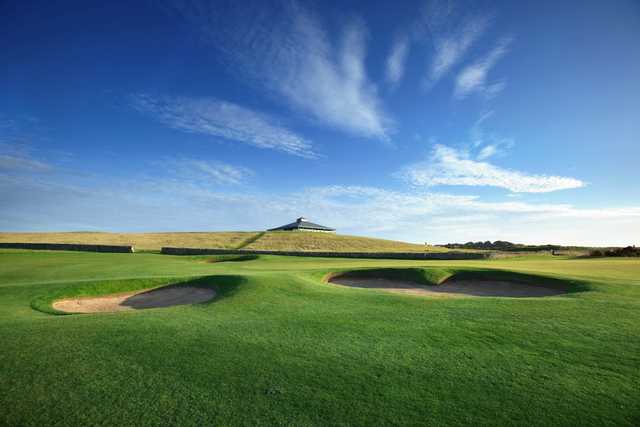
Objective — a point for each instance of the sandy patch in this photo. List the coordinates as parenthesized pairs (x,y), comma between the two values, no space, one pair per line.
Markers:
(137,300)
(454,287)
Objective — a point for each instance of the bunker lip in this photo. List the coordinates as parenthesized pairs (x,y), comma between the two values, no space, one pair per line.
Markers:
(452,287)
(166,296)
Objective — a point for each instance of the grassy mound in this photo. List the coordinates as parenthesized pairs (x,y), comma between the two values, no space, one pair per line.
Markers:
(306,241)
(141,241)
(273,240)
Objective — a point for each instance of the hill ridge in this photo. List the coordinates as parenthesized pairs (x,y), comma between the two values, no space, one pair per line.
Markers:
(252,240)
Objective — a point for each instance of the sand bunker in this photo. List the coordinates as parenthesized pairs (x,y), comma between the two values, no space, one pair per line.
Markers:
(137,300)
(452,287)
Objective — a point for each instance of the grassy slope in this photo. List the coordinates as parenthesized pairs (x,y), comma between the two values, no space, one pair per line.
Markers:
(293,241)
(306,241)
(144,241)
(280,347)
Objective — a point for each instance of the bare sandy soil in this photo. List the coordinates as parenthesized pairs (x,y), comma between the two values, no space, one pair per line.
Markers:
(146,298)
(477,288)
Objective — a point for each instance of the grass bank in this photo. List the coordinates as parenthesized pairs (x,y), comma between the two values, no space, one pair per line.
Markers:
(289,241)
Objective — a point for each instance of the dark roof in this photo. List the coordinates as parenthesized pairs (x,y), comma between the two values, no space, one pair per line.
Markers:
(302,223)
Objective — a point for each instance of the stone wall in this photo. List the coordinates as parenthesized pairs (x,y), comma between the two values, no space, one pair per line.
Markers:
(375,255)
(68,247)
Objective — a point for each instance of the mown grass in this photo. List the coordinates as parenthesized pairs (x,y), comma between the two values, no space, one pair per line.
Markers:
(280,347)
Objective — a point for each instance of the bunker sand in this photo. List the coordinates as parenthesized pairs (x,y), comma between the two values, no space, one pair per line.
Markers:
(147,298)
(453,287)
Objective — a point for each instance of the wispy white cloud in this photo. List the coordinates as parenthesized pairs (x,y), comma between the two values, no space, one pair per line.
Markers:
(487,144)
(473,78)
(487,151)
(451,48)
(448,166)
(328,83)
(16,157)
(206,171)
(477,132)
(286,50)
(22,163)
(397,59)
(452,32)
(493,146)
(210,116)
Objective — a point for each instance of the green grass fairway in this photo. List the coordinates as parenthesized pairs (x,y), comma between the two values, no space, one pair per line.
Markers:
(279,346)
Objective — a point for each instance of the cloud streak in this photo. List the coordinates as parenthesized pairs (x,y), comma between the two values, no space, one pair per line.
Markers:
(216,118)
(451,33)
(286,51)
(396,60)
(17,158)
(448,166)
(206,172)
(451,47)
(473,78)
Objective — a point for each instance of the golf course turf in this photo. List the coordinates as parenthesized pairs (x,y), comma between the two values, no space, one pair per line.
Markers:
(280,345)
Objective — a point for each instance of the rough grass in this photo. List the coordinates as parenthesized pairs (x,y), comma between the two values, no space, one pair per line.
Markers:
(281,347)
(141,241)
(309,241)
(286,241)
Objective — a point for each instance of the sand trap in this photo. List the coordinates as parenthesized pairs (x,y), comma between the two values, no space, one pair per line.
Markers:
(137,300)
(453,287)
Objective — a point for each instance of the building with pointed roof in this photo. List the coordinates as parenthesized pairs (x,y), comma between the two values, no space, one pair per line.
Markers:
(302,224)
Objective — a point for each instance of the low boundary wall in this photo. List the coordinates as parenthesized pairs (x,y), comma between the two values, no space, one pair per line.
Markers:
(375,255)
(68,247)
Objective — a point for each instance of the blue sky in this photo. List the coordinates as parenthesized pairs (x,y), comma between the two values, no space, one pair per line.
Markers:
(426,121)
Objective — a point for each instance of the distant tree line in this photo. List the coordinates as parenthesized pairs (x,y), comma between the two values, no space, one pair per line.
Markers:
(631,251)
(502,245)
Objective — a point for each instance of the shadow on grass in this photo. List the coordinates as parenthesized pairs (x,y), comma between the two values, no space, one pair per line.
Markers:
(230,258)
(223,286)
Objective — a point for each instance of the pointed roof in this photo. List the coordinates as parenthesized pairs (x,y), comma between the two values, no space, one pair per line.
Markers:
(302,224)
